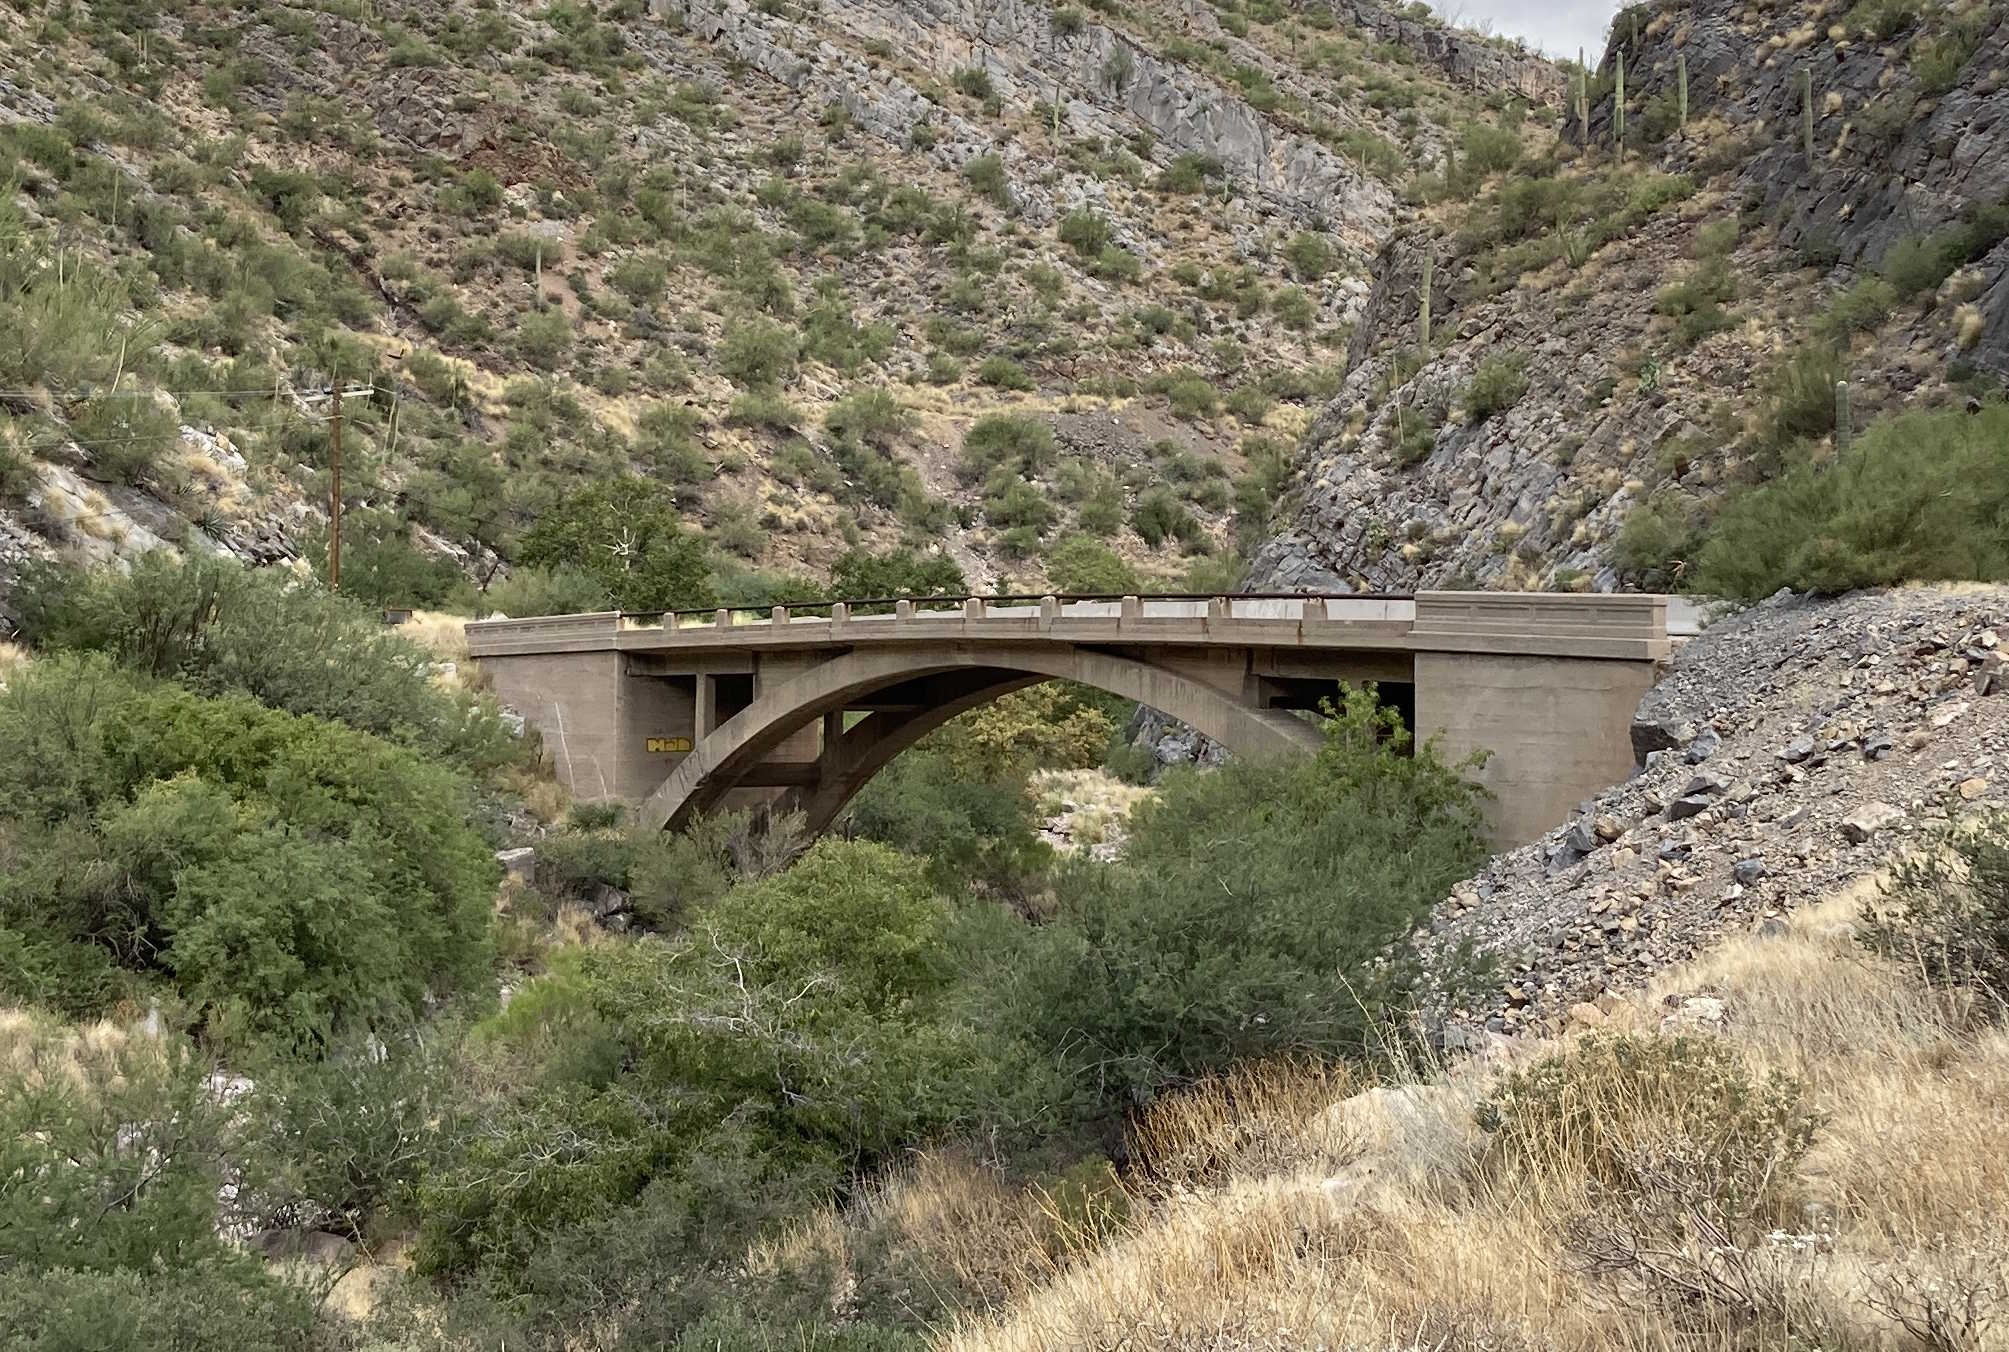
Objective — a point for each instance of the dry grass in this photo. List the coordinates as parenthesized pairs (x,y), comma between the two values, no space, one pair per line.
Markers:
(1101,803)
(1268,1215)
(443,635)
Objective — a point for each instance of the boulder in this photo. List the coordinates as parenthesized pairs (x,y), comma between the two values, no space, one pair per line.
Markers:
(1869,819)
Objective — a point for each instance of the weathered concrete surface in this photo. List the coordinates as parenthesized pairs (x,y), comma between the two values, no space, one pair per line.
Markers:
(684,715)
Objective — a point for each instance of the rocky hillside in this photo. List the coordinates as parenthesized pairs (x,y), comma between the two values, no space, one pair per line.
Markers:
(1618,333)
(776,260)
(1790,751)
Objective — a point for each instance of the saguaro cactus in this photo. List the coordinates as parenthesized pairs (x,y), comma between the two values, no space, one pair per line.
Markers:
(1423,312)
(1845,427)
(1583,98)
(1618,108)
(1681,90)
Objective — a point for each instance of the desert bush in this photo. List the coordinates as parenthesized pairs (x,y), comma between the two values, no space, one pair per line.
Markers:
(1919,263)
(125,435)
(1085,232)
(803,1008)
(1945,913)
(758,353)
(986,174)
(1497,384)
(222,629)
(1918,499)
(872,416)
(898,572)
(564,589)
(1309,255)
(1013,441)
(286,875)
(1800,395)
(1159,516)
(1220,937)
(382,567)
(543,338)
(1003,373)
(625,533)
(115,1245)
(1614,1113)
(1081,563)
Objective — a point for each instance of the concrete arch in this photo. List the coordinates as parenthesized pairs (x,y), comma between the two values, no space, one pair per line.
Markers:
(720,759)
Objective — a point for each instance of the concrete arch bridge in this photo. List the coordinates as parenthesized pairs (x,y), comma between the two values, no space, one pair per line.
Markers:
(798,707)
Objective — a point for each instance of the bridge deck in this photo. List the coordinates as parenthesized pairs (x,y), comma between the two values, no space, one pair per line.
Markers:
(1613,627)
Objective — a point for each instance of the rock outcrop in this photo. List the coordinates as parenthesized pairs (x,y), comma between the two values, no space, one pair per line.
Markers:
(1401,484)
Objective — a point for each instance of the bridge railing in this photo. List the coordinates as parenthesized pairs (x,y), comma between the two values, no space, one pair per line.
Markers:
(986,605)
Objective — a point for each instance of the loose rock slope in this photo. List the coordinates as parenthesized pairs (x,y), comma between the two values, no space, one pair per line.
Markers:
(1789,751)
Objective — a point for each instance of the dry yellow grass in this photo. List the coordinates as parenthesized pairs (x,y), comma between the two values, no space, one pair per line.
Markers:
(1371,1223)
(439,633)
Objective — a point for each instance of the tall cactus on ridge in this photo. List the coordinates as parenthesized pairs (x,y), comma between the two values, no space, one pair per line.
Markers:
(1681,90)
(1618,108)
(1845,427)
(1423,313)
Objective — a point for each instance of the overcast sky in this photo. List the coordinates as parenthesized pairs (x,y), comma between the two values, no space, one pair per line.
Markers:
(1558,27)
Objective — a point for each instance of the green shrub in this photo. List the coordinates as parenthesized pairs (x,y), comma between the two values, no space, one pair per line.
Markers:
(793,1033)
(289,876)
(1191,173)
(1497,384)
(1006,440)
(1309,254)
(898,572)
(975,82)
(565,589)
(625,533)
(1649,1121)
(222,629)
(1660,539)
(149,1270)
(125,435)
(763,409)
(1003,373)
(1159,517)
(1192,396)
(1921,497)
(986,174)
(1085,232)
(1800,395)
(1918,264)
(758,353)
(872,416)
(1862,308)
(382,567)
(1945,913)
(543,337)
(1252,914)
(1083,564)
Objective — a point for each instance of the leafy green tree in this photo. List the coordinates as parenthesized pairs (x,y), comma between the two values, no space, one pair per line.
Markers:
(223,629)
(382,567)
(1257,912)
(799,1024)
(898,572)
(111,1166)
(287,875)
(1081,563)
(626,533)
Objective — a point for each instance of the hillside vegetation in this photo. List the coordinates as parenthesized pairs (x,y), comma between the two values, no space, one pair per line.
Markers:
(811,281)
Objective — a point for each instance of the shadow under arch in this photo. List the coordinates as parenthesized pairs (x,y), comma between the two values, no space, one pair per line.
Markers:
(960,679)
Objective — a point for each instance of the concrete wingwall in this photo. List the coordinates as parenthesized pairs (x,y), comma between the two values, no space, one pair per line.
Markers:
(1555,730)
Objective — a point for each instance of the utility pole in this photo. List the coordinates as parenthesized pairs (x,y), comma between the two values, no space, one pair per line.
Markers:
(335,493)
